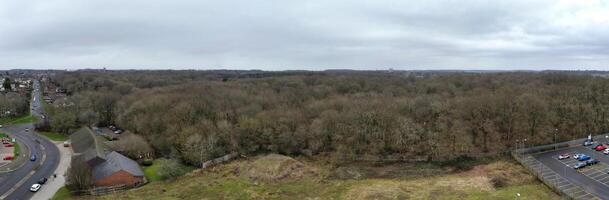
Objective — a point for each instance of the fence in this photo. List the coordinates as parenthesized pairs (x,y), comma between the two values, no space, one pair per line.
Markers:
(96,191)
(219,160)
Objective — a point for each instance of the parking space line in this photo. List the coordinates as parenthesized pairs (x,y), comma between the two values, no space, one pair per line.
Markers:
(567,190)
(563,183)
(595,173)
(578,193)
(582,196)
(599,175)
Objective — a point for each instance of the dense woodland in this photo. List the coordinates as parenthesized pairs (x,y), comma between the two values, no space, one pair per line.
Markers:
(196,115)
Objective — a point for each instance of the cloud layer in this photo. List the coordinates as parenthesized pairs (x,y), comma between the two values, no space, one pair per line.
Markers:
(313,35)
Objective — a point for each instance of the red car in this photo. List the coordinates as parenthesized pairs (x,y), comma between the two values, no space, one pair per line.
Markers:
(8,158)
(600,148)
(8,145)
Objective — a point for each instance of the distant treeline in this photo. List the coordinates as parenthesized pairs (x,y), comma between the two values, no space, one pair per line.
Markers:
(201,115)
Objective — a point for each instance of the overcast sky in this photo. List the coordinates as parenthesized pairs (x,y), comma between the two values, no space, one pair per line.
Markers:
(312,35)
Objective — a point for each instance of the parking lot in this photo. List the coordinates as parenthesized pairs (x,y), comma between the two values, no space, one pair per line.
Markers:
(589,182)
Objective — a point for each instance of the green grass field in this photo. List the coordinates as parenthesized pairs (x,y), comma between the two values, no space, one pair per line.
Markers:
(55,136)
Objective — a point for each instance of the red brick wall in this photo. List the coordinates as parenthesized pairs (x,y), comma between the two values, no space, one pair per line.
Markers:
(120,177)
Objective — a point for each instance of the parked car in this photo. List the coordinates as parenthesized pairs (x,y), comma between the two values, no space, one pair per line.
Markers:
(1,126)
(42,180)
(563,156)
(592,162)
(584,158)
(588,143)
(577,155)
(579,165)
(118,131)
(35,187)
(33,158)
(27,130)
(8,158)
(9,145)
(606,151)
(600,148)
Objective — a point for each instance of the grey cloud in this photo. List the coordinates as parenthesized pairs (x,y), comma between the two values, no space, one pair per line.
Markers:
(276,34)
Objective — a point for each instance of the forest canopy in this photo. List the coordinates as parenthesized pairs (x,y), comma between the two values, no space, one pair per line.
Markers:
(197,115)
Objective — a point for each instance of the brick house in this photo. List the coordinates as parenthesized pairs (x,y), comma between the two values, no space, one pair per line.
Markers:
(108,168)
(117,170)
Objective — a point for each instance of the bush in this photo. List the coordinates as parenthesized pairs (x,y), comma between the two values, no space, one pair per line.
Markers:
(462,162)
(171,168)
(147,162)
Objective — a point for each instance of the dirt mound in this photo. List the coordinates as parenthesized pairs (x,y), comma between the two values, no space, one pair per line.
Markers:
(275,167)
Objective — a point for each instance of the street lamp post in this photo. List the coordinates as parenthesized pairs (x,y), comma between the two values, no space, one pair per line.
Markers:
(555,130)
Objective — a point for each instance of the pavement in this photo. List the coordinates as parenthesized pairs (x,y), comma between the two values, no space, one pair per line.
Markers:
(594,179)
(54,183)
(14,185)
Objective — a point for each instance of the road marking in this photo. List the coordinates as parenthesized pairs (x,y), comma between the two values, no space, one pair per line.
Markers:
(27,177)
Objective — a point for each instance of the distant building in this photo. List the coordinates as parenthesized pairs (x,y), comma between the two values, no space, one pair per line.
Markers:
(108,168)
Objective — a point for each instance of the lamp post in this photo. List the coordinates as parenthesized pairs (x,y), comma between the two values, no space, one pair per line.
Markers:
(555,132)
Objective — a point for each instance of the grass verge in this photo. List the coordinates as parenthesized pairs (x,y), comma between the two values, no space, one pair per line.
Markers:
(17,120)
(62,193)
(55,136)
(16,150)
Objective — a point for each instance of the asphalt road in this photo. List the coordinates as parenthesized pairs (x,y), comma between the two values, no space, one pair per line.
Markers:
(597,187)
(39,146)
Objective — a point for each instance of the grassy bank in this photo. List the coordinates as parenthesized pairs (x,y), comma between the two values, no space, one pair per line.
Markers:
(17,120)
(55,136)
(62,193)
(307,179)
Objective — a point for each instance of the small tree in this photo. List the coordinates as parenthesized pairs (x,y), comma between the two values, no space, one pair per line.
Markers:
(78,176)
(133,146)
(7,84)
(171,168)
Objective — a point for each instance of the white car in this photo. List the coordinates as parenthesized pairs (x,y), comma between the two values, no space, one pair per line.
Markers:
(563,156)
(35,187)
(577,155)
(606,151)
